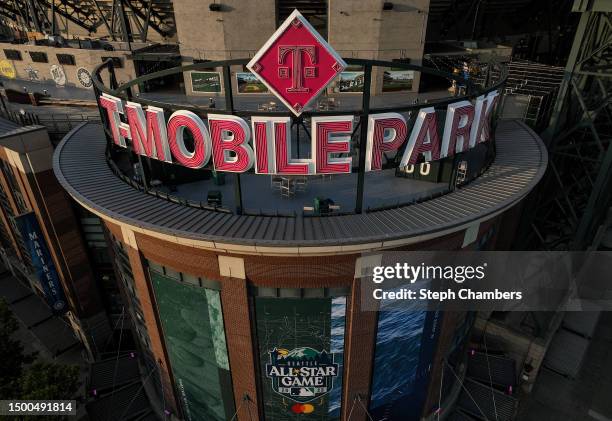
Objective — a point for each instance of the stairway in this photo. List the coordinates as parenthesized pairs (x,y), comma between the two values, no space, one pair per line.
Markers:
(478,400)
(482,402)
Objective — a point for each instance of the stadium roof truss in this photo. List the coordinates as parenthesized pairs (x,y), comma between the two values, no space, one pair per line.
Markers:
(576,196)
(124,20)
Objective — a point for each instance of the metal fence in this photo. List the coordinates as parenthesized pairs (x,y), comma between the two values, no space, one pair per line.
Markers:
(58,125)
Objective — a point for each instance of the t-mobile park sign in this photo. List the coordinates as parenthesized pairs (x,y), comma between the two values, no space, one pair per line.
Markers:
(296,64)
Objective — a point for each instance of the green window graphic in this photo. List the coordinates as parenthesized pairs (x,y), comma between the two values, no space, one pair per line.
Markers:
(193,329)
(301,347)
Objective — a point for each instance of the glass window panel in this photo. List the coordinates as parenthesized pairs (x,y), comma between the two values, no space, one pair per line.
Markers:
(190,279)
(338,292)
(171,273)
(90,221)
(267,292)
(13,54)
(66,59)
(290,292)
(94,237)
(100,245)
(155,267)
(39,57)
(210,284)
(314,292)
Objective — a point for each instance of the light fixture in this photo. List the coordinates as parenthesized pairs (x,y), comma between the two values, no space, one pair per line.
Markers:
(387,5)
(214,7)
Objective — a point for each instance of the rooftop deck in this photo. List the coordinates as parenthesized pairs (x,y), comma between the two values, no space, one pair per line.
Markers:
(265,194)
(269,195)
(521,159)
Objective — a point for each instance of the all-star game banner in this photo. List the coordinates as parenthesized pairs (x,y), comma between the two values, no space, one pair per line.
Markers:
(301,348)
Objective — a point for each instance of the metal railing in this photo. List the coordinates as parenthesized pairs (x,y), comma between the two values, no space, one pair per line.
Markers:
(22,118)
(57,125)
(494,77)
(162,195)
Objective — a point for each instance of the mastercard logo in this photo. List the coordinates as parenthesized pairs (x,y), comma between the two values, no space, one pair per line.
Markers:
(302,408)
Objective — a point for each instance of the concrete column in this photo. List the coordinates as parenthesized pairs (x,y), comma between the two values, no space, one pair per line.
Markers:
(147,300)
(237,320)
(359,348)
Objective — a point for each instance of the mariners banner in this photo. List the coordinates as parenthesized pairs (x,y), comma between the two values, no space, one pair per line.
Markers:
(42,261)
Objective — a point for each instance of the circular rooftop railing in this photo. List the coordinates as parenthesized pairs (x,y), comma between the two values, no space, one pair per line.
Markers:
(345,193)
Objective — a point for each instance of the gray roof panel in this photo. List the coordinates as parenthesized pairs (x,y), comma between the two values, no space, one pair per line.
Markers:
(7,126)
(80,166)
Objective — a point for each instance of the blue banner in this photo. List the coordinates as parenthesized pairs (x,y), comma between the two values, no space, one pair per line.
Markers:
(42,261)
(405,345)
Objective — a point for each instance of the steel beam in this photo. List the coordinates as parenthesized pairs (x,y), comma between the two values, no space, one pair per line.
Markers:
(104,20)
(579,137)
(146,13)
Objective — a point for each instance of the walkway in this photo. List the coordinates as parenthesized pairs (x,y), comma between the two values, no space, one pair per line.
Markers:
(585,398)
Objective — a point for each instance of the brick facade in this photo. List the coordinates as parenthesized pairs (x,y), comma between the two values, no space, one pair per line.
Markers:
(27,159)
(236,273)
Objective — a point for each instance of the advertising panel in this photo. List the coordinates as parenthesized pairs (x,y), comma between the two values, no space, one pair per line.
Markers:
(206,82)
(301,348)
(248,83)
(32,73)
(84,77)
(193,329)
(395,80)
(58,75)
(7,69)
(350,82)
(41,261)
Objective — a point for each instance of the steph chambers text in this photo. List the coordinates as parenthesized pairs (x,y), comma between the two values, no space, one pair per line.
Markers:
(461,294)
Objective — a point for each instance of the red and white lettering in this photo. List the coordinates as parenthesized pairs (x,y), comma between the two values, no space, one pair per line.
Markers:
(230,136)
(456,137)
(424,139)
(264,143)
(386,133)
(178,122)
(114,107)
(481,127)
(262,147)
(285,164)
(149,136)
(226,138)
(332,135)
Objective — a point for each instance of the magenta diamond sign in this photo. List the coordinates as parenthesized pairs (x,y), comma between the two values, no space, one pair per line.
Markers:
(296,63)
